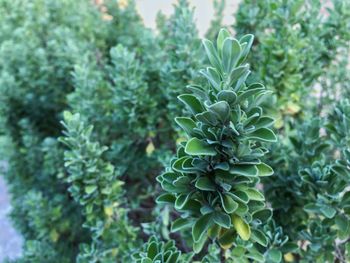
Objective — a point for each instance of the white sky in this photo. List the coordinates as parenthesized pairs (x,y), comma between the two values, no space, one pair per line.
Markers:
(203,11)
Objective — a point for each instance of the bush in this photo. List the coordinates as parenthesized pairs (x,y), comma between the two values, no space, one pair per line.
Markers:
(252,173)
(40,43)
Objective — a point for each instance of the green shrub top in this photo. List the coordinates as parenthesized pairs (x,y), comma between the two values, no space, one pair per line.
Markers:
(212,181)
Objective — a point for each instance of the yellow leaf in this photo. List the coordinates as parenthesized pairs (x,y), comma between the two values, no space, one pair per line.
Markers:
(289,257)
(180,139)
(54,235)
(123,3)
(279,123)
(114,251)
(108,210)
(241,227)
(150,148)
(292,108)
(227,238)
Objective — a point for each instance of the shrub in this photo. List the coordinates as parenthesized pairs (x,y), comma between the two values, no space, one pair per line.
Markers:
(227,194)
(213,180)
(306,155)
(93,183)
(157,251)
(40,43)
(178,37)
(126,97)
(298,41)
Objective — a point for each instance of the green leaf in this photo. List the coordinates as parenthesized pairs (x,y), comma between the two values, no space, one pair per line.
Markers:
(240,196)
(226,240)
(274,256)
(242,209)
(147,260)
(152,250)
(241,227)
(165,198)
(263,134)
(255,206)
(227,95)
(187,124)
(67,116)
(192,103)
(256,256)
(213,76)
(201,225)
(249,38)
(341,170)
(222,219)
(264,169)
(198,246)
(259,237)
(264,122)
(223,34)
(245,170)
(221,109)
(249,92)
(90,189)
(174,257)
(180,223)
(212,54)
(289,247)
(343,225)
(264,215)
(214,231)
(312,208)
(183,164)
(254,194)
(182,182)
(238,76)
(238,251)
(198,147)
(207,117)
(181,201)
(342,222)
(205,184)
(231,51)
(228,204)
(328,211)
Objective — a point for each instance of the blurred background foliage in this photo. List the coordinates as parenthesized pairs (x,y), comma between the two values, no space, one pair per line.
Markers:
(93,199)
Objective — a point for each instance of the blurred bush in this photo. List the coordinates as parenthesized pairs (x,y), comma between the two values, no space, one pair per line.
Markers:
(87,193)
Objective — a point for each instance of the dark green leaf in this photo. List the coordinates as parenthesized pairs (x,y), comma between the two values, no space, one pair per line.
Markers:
(263,134)
(200,226)
(180,223)
(228,204)
(205,184)
(222,219)
(198,147)
(192,103)
(246,170)
(166,198)
(187,124)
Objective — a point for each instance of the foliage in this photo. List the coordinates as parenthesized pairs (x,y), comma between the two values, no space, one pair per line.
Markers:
(297,42)
(157,251)
(299,62)
(227,194)
(125,95)
(40,42)
(179,38)
(317,177)
(212,181)
(95,186)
